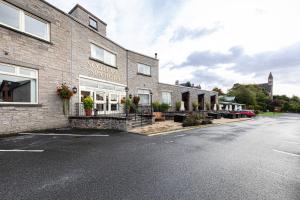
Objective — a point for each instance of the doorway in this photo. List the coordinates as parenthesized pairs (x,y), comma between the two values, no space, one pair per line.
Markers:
(186,100)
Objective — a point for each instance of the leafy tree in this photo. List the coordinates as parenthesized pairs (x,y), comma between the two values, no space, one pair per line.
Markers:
(219,91)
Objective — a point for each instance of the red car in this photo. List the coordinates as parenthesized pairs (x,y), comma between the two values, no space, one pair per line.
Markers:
(248,113)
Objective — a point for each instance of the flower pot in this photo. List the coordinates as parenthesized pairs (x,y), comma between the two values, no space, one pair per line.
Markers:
(88,112)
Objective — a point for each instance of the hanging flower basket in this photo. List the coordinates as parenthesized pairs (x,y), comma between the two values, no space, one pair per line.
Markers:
(65,93)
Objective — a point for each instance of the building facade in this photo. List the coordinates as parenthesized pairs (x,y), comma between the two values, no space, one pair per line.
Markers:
(42,47)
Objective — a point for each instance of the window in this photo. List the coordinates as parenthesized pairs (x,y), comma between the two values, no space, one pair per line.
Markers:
(15,18)
(9,15)
(144,97)
(144,69)
(18,84)
(103,55)
(166,98)
(93,23)
(36,27)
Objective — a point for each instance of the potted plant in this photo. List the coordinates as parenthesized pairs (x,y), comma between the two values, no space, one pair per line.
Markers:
(178,105)
(65,93)
(88,104)
(195,105)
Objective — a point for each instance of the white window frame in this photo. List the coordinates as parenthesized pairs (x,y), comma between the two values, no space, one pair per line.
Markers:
(21,28)
(139,92)
(105,51)
(17,74)
(142,72)
(169,103)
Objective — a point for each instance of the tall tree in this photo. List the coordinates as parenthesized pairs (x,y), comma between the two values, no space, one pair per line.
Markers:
(218,90)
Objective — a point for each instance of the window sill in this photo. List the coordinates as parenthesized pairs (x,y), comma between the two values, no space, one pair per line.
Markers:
(99,61)
(143,74)
(19,105)
(26,34)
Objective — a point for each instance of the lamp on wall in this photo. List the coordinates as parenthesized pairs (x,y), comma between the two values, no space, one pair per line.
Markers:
(74,89)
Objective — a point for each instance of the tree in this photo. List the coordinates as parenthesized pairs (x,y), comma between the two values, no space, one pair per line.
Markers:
(219,91)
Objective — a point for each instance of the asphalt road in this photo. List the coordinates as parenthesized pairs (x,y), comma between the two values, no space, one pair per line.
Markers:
(256,159)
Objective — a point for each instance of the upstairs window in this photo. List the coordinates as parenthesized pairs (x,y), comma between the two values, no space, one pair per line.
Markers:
(9,15)
(103,55)
(144,69)
(93,24)
(15,18)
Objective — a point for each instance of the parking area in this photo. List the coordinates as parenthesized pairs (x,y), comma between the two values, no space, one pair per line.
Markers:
(254,159)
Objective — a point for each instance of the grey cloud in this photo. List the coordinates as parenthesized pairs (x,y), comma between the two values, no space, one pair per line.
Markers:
(259,63)
(208,58)
(185,33)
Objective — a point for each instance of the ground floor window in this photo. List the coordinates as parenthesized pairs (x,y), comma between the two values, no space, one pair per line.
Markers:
(144,97)
(166,98)
(18,84)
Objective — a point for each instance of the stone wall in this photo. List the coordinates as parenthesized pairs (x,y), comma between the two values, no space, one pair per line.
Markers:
(138,81)
(115,123)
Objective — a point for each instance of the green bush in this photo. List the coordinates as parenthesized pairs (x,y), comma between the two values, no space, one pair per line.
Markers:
(195,105)
(156,106)
(88,103)
(193,120)
(164,107)
(178,105)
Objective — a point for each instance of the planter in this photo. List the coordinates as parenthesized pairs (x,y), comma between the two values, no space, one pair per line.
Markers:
(88,112)
(66,107)
(159,116)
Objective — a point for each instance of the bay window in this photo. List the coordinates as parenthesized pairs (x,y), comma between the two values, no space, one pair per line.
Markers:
(103,55)
(144,97)
(18,19)
(18,84)
(144,69)
(166,98)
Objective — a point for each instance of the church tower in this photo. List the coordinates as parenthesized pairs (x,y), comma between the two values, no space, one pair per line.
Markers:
(270,83)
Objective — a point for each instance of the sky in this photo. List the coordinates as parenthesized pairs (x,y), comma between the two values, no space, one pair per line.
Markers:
(213,43)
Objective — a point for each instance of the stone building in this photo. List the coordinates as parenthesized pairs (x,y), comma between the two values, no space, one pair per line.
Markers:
(42,47)
(268,87)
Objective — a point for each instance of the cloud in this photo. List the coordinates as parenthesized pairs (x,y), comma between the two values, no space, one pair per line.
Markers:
(285,58)
(183,33)
(208,58)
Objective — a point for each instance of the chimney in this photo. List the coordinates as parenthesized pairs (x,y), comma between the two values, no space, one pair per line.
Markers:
(177,82)
(155,55)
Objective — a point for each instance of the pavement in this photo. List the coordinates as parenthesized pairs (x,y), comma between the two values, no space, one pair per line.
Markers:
(255,159)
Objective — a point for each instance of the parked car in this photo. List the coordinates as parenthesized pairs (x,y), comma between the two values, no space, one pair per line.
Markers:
(247,113)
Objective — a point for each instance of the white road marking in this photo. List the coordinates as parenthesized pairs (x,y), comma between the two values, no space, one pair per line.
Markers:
(58,134)
(21,150)
(293,142)
(182,135)
(167,142)
(287,153)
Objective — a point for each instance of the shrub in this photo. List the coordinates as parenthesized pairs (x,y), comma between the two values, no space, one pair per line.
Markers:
(88,103)
(195,105)
(156,106)
(178,105)
(164,107)
(193,120)
(136,100)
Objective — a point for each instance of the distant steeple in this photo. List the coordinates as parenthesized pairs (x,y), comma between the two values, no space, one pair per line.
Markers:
(270,79)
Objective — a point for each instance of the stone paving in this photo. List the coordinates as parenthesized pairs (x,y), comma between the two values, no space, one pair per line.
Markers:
(169,126)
